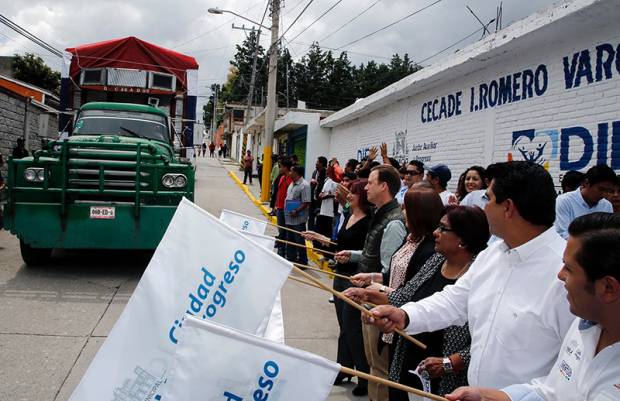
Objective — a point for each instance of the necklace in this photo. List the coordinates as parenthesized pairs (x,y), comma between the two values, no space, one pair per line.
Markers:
(460,273)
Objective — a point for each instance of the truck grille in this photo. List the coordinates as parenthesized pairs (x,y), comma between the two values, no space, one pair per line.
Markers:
(105,169)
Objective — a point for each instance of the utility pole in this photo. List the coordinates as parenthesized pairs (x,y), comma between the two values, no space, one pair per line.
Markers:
(270,111)
(252,80)
(214,117)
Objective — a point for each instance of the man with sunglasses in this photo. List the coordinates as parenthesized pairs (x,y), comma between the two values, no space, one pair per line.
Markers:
(414,173)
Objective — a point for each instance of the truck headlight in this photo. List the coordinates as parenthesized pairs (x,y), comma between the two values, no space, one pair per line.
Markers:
(174,180)
(34,174)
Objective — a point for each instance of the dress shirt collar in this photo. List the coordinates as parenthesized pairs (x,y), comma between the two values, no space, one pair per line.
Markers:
(524,251)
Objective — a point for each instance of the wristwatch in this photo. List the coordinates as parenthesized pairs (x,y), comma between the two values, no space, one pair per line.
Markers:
(447,365)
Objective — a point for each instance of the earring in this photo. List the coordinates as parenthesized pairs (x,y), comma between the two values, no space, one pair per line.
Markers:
(461,246)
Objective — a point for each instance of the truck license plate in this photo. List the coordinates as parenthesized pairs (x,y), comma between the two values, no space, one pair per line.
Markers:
(102,212)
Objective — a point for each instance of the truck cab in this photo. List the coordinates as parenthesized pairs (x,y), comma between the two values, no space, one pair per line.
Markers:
(114,183)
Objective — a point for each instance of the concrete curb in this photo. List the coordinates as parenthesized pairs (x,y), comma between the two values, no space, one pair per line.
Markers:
(313,256)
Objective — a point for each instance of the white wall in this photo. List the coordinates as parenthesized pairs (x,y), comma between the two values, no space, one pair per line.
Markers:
(489,135)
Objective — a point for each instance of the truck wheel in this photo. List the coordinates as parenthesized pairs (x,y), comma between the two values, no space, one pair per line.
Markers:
(34,256)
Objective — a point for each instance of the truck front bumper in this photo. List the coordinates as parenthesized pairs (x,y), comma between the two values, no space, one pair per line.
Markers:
(42,225)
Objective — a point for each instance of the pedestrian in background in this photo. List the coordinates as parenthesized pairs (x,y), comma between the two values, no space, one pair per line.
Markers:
(247,167)
(473,179)
(438,176)
(19,151)
(588,198)
(296,214)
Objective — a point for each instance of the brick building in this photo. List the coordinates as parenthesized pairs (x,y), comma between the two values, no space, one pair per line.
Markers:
(25,112)
(546,89)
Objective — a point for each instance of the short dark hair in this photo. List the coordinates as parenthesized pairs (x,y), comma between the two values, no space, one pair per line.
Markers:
(351,163)
(601,173)
(394,163)
(299,170)
(572,180)
(418,164)
(358,187)
(322,160)
(286,162)
(390,176)
(423,207)
(470,224)
(530,187)
(351,176)
(599,235)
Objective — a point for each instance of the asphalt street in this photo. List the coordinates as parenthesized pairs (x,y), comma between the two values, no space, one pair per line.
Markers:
(54,318)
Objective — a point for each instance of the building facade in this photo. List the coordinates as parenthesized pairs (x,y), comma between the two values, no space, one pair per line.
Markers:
(545,89)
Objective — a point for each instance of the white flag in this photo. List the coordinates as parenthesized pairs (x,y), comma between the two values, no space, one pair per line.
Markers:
(213,362)
(242,222)
(201,267)
(273,325)
(264,240)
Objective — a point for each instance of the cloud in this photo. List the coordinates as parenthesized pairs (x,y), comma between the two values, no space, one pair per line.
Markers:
(186,26)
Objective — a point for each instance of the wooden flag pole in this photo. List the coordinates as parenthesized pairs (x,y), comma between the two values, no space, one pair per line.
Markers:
(304,282)
(303,246)
(273,224)
(390,383)
(322,271)
(338,294)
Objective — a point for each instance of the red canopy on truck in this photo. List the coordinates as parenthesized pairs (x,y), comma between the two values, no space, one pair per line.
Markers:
(132,53)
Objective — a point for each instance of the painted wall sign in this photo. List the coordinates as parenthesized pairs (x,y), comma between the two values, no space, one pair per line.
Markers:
(585,66)
(574,147)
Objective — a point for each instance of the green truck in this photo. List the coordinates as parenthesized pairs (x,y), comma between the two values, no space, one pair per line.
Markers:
(114,183)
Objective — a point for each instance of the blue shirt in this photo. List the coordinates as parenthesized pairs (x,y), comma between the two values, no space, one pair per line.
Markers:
(476,198)
(571,205)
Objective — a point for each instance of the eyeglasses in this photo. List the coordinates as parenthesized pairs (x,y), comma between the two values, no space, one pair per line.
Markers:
(413,172)
(443,229)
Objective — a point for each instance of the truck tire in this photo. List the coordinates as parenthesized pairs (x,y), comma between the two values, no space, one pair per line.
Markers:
(34,256)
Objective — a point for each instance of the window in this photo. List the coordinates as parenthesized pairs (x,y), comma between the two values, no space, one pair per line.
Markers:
(158,80)
(93,77)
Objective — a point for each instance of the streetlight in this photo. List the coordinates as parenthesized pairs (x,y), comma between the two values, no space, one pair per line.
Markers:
(270,110)
(219,11)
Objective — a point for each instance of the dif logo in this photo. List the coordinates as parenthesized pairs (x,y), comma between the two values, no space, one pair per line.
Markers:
(574,146)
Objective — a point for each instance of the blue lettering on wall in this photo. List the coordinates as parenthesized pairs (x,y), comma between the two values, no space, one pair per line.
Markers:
(573,146)
(578,67)
(576,133)
(441,108)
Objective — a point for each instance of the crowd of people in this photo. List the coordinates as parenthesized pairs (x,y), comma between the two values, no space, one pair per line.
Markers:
(514,290)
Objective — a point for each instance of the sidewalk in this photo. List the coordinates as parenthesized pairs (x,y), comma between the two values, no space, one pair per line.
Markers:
(309,319)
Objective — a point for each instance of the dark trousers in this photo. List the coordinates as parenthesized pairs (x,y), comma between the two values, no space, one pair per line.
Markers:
(281,232)
(295,253)
(350,341)
(247,172)
(323,225)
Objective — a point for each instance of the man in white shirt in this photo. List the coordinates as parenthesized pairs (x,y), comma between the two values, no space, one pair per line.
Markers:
(588,198)
(438,176)
(325,218)
(587,367)
(516,308)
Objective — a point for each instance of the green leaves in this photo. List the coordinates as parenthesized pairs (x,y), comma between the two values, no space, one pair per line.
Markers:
(33,70)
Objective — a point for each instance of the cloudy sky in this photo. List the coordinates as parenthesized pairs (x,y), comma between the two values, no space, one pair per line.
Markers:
(185,26)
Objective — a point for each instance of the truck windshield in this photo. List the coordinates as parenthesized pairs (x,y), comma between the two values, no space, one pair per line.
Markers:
(122,123)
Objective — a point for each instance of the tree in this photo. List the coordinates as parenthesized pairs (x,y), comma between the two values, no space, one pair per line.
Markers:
(237,89)
(33,70)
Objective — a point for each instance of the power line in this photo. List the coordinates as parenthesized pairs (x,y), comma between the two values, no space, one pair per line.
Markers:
(390,25)
(316,20)
(349,21)
(451,46)
(346,51)
(216,28)
(4,20)
(295,20)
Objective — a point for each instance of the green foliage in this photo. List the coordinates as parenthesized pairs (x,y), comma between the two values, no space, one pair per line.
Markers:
(33,70)
(321,79)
